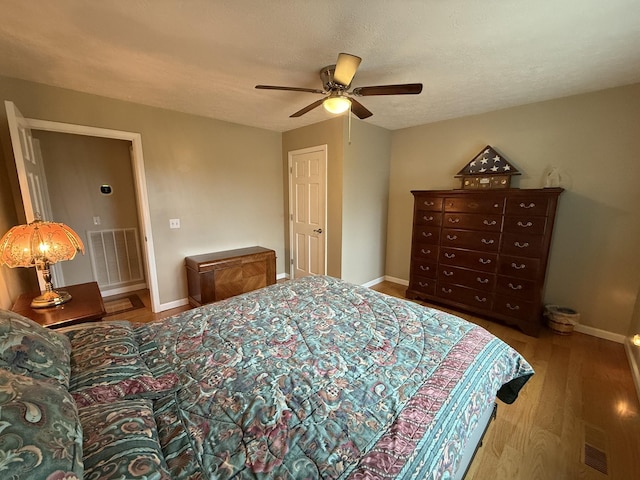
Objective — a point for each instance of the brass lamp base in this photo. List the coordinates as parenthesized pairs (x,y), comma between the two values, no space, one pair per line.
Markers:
(50,298)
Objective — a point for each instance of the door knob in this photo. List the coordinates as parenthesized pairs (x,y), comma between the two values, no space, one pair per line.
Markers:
(319,230)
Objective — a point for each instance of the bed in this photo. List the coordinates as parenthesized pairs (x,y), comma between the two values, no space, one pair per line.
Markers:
(312,378)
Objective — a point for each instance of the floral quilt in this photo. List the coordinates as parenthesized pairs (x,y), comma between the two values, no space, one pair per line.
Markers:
(318,378)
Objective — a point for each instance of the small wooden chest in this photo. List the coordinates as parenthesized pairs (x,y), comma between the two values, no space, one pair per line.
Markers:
(218,275)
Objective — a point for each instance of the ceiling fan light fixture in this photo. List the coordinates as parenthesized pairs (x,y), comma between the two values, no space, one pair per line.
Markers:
(336,104)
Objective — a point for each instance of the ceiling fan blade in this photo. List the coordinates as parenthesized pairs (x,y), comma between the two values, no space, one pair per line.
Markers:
(360,110)
(308,108)
(346,68)
(403,89)
(291,89)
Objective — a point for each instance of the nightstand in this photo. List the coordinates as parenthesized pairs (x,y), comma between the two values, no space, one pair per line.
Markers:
(86,305)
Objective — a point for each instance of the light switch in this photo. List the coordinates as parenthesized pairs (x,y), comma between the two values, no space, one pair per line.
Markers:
(96,220)
(174,223)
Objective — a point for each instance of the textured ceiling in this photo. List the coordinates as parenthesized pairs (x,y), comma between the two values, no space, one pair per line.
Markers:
(205,56)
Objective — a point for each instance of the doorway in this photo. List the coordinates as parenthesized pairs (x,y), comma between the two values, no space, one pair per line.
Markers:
(139,180)
(90,185)
(307,211)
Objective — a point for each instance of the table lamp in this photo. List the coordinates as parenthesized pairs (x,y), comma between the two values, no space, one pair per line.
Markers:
(40,244)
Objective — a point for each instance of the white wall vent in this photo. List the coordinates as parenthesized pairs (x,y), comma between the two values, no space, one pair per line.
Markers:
(115,256)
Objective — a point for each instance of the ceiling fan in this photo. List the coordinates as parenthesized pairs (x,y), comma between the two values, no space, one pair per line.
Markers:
(336,80)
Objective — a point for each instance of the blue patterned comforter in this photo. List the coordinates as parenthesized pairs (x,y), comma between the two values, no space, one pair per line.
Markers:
(318,378)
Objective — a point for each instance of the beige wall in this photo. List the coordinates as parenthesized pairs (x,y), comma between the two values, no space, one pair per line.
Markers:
(365,201)
(224,181)
(593,140)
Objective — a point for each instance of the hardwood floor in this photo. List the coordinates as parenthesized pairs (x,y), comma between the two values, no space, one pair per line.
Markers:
(582,392)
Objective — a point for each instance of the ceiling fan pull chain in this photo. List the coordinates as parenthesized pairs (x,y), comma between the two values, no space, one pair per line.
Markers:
(349,123)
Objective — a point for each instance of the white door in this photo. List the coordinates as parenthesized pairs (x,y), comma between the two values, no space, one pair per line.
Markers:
(33,183)
(31,176)
(307,208)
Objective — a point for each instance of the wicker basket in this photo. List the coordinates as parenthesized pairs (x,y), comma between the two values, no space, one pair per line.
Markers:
(561,320)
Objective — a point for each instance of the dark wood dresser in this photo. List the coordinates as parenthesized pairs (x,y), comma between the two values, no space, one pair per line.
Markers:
(218,275)
(484,251)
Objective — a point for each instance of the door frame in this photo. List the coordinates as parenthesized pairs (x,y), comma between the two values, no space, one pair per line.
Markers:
(292,244)
(140,186)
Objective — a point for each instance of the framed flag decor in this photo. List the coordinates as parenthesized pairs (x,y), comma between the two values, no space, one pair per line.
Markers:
(488,169)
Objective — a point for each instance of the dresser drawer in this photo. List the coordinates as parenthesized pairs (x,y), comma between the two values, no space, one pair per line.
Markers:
(476,204)
(517,287)
(427,202)
(468,278)
(423,285)
(522,244)
(425,268)
(520,267)
(427,234)
(486,262)
(467,296)
(426,217)
(525,224)
(527,206)
(516,308)
(473,221)
(485,241)
(425,251)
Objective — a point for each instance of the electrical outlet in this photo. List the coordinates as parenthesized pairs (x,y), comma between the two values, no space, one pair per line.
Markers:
(174,223)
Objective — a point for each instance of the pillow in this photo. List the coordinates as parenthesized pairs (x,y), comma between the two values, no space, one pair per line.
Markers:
(106,365)
(121,441)
(40,432)
(30,349)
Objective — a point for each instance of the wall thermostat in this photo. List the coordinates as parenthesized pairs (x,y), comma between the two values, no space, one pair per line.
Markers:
(105,189)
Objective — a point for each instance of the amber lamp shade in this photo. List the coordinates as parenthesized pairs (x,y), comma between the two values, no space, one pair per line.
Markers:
(40,244)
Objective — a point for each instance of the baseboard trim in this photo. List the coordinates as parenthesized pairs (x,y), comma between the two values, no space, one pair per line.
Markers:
(107,292)
(175,304)
(596,332)
(633,364)
(373,282)
(185,301)
(399,281)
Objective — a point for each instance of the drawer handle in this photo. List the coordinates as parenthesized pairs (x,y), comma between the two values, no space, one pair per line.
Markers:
(427,219)
(484,261)
(525,225)
(448,274)
(496,205)
(426,252)
(446,290)
(423,284)
(518,267)
(515,307)
(515,287)
(429,203)
(488,242)
(483,299)
(453,220)
(524,205)
(490,223)
(482,280)
(449,255)
(521,245)
(426,234)
(424,269)
(472,205)
(452,237)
